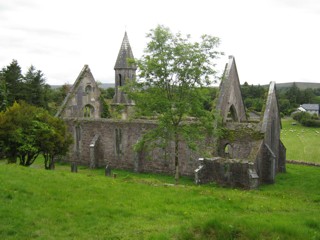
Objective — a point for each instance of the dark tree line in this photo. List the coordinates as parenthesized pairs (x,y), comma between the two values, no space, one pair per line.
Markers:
(30,87)
(253,96)
(288,98)
(293,97)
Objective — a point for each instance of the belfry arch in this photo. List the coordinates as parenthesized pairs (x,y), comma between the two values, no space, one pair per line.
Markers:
(232,114)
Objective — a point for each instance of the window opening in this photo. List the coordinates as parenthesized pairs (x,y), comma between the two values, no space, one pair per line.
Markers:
(118,133)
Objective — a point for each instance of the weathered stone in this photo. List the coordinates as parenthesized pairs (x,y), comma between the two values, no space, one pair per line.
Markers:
(248,154)
(83,98)
(74,167)
(124,72)
(94,150)
(107,171)
(230,103)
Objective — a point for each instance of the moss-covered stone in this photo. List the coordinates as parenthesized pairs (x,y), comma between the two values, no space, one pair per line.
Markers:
(242,134)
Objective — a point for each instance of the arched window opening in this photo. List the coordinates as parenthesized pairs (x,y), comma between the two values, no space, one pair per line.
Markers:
(228,150)
(118,138)
(88,111)
(232,114)
(120,80)
(88,89)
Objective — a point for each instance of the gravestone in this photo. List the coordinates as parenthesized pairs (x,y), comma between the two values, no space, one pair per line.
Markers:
(107,171)
(74,167)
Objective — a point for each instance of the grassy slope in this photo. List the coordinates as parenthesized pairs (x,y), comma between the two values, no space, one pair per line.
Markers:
(39,204)
(302,143)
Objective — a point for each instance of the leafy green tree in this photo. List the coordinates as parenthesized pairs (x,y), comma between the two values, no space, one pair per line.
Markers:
(107,93)
(293,95)
(172,73)
(17,135)
(284,106)
(245,90)
(27,131)
(55,97)
(52,138)
(316,91)
(209,95)
(254,96)
(110,93)
(307,96)
(105,113)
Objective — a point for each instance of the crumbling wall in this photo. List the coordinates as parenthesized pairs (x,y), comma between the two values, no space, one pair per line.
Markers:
(243,140)
(83,99)
(271,127)
(227,172)
(116,141)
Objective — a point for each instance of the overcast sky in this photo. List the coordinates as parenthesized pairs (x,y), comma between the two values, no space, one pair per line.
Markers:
(272,40)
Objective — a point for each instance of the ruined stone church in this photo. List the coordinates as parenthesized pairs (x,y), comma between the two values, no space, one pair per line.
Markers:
(250,152)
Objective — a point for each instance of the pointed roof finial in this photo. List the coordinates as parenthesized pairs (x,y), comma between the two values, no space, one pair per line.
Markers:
(125,53)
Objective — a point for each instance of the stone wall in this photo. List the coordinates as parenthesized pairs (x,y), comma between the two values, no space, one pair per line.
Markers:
(271,127)
(83,99)
(227,172)
(115,147)
(230,98)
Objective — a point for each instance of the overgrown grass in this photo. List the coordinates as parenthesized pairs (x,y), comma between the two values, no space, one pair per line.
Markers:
(40,204)
(302,143)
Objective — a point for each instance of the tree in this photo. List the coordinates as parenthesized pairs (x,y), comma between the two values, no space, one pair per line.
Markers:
(34,87)
(52,138)
(55,96)
(307,96)
(3,94)
(284,106)
(173,71)
(105,112)
(110,93)
(294,95)
(27,131)
(13,81)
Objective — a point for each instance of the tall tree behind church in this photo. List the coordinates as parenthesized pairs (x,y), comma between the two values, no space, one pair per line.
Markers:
(31,87)
(35,88)
(12,82)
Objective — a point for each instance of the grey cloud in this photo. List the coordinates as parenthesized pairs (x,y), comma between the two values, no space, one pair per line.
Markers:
(14,4)
(312,6)
(40,31)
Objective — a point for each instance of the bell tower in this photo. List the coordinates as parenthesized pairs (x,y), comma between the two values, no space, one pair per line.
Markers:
(124,72)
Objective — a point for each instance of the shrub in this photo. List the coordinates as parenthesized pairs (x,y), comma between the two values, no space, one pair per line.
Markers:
(306,119)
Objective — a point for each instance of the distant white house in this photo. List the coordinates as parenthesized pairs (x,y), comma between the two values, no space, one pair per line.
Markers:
(310,108)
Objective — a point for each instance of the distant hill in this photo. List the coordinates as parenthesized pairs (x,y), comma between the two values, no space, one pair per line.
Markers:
(107,85)
(300,85)
(103,85)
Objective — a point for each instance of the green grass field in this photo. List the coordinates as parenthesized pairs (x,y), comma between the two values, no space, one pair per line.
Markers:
(302,143)
(40,204)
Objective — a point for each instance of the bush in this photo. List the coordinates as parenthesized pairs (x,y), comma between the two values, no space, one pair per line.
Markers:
(306,119)
(311,123)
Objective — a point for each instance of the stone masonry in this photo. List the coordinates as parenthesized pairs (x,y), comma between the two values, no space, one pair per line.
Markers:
(247,154)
